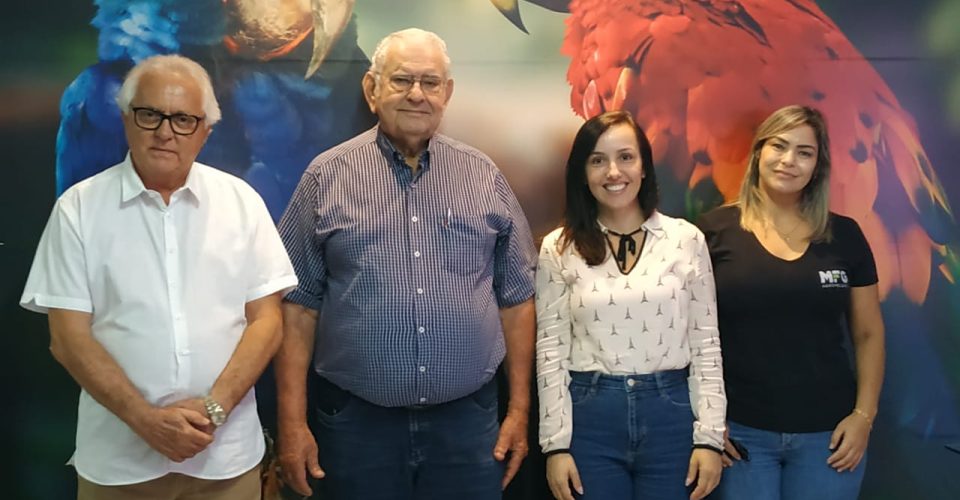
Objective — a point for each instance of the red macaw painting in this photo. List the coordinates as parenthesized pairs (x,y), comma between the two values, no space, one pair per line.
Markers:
(699,76)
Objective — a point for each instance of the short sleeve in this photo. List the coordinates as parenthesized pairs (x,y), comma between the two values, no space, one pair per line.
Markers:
(298,234)
(270,269)
(515,254)
(58,276)
(862,267)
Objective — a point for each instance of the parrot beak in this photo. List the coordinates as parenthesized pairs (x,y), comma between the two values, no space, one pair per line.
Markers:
(511,10)
(329,19)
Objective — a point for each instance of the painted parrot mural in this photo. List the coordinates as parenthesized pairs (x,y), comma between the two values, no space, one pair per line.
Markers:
(700,75)
(286,74)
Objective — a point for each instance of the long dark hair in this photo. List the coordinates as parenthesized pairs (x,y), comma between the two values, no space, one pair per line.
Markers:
(580,216)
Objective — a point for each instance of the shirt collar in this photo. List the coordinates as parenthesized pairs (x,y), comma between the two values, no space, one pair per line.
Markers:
(396,158)
(653,225)
(131,185)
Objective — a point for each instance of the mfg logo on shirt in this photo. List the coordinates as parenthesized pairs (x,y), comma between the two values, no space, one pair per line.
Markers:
(836,278)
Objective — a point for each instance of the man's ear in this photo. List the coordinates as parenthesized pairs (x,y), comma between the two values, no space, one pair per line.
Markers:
(369,84)
(448,89)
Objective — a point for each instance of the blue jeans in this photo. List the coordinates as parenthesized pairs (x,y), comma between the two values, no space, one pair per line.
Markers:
(632,435)
(440,451)
(786,466)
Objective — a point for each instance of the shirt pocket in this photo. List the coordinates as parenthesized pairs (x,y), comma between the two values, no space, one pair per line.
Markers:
(468,243)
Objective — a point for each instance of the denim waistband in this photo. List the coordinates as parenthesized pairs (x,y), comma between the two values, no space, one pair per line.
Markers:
(664,378)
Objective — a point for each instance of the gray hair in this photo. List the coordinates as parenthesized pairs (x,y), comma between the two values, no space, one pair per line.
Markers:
(171,64)
(380,54)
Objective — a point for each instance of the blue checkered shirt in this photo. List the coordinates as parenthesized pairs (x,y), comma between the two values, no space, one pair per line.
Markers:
(408,272)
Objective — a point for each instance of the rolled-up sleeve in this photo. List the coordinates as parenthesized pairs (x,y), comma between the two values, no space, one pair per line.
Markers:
(515,256)
(298,231)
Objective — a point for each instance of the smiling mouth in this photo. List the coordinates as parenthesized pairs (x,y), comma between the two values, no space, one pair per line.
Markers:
(616,188)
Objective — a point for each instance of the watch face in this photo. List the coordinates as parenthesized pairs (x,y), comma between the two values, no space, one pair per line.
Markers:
(217,417)
(215,412)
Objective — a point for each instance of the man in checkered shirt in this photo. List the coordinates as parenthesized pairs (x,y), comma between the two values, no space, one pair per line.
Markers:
(416,269)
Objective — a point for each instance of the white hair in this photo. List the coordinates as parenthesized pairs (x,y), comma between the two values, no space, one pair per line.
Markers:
(171,64)
(410,34)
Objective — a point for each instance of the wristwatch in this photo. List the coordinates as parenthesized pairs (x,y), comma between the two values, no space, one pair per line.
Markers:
(215,411)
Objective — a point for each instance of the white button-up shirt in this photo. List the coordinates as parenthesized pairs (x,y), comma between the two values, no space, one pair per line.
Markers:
(660,316)
(166,286)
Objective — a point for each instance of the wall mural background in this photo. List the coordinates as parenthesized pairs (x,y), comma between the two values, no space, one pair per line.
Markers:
(887,74)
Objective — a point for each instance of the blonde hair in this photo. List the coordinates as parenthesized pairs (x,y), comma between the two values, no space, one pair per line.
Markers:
(815,196)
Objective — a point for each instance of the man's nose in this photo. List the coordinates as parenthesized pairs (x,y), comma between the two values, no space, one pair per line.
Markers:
(416,92)
(165,130)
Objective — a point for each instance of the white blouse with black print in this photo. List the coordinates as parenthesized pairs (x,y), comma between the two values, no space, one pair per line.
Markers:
(659,316)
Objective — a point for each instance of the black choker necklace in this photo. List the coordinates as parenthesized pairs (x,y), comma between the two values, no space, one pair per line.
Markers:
(627,244)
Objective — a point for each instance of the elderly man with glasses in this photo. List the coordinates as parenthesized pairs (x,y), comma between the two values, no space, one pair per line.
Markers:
(416,281)
(162,279)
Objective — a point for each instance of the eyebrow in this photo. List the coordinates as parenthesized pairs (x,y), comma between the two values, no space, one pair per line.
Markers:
(780,139)
(162,112)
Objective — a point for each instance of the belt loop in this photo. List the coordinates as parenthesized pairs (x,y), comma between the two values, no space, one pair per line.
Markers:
(595,378)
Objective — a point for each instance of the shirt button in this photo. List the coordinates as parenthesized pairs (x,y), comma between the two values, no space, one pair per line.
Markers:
(423,400)
(421,329)
(414,218)
(419,291)
(423,369)
(416,254)
(631,382)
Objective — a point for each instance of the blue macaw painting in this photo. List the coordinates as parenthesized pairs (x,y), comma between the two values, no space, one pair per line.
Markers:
(286,74)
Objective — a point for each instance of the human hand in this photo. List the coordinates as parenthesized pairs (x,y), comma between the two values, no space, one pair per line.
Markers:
(195,404)
(730,452)
(705,468)
(512,440)
(298,456)
(175,432)
(849,442)
(561,474)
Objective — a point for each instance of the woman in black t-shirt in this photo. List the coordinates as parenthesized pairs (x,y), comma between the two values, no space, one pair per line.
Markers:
(793,280)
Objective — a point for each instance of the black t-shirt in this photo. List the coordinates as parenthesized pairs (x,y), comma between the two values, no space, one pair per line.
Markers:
(783,323)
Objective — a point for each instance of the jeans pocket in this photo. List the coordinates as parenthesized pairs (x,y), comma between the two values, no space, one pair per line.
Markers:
(678,395)
(486,397)
(581,392)
(332,401)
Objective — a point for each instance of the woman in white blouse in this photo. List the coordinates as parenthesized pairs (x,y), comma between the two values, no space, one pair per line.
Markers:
(627,333)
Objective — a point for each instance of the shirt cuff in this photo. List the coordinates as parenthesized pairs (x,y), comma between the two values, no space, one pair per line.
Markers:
(707,447)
